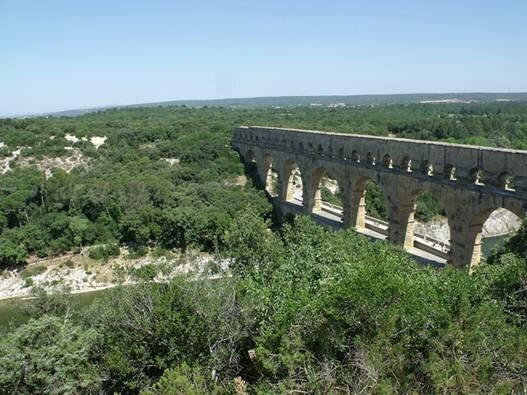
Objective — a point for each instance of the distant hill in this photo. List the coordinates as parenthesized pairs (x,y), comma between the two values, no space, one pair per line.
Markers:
(286,101)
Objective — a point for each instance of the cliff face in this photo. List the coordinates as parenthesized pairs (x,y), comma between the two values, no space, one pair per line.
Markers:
(500,222)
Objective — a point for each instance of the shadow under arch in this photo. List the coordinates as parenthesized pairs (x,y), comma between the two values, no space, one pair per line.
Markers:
(250,167)
(288,218)
(249,157)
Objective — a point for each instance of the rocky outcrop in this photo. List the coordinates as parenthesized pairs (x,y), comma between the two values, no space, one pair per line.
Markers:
(500,222)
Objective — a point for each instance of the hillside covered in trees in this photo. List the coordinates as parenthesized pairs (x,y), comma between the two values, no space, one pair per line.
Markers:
(130,190)
(300,309)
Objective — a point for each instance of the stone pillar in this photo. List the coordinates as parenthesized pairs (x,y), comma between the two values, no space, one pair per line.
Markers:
(317,199)
(465,243)
(286,186)
(354,205)
(309,194)
(262,167)
(311,191)
(286,177)
(347,208)
(401,223)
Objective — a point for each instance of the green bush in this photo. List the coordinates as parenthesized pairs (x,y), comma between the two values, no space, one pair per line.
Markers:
(104,252)
(60,354)
(146,272)
(32,271)
(185,380)
(28,282)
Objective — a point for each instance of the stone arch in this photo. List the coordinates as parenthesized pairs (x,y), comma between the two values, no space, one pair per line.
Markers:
(450,172)
(314,188)
(320,150)
(476,176)
(358,214)
(253,161)
(370,159)
(251,165)
(406,164)
(292,182)
(467,229)
(506,181)
(387,161)
(355,156)
(410,219)
(326,187)
(249,157)
(427,169)
(269,174)
(341,153)
(473,239)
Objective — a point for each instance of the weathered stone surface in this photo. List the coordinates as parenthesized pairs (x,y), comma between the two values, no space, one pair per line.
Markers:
(470,182)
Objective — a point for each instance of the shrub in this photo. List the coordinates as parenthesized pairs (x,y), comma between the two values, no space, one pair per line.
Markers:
(28,282)
(60,355)
(146,273)
(104,252)
(32,271)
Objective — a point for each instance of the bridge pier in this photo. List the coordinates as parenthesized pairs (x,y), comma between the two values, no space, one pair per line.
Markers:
(310,194)
(263,166)
(401,224)
(354,207)
(466,227)
(465,244)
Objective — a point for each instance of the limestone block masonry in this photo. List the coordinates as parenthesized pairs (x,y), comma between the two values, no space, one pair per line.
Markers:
(470,182)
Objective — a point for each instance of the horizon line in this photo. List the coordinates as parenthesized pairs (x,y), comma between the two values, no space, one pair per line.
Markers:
(139,104)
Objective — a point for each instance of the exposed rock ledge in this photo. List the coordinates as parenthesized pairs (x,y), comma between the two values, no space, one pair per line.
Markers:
(500,222)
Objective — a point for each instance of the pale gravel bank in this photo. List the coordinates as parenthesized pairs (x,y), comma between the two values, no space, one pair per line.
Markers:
(86,275)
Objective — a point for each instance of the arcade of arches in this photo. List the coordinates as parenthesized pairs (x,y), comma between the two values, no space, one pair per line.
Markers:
(294,168)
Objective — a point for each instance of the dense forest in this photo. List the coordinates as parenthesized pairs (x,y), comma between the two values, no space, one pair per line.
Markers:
(300,309)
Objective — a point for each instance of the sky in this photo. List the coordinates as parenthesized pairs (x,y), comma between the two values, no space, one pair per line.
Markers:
(58,55)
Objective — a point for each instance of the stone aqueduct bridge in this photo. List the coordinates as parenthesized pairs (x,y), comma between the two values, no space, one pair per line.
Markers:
(469,182)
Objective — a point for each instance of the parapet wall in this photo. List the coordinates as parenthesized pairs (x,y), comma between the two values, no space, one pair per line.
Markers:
(503,170)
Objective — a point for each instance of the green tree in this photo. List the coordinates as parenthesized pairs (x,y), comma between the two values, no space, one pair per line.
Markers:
(49,355)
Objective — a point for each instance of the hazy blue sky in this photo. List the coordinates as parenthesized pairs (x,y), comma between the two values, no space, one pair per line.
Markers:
(59,55)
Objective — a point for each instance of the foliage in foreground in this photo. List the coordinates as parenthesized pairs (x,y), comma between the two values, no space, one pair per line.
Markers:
(306,310)
(50,355)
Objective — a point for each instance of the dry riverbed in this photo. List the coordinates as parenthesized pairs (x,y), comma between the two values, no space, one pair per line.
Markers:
(79,273)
